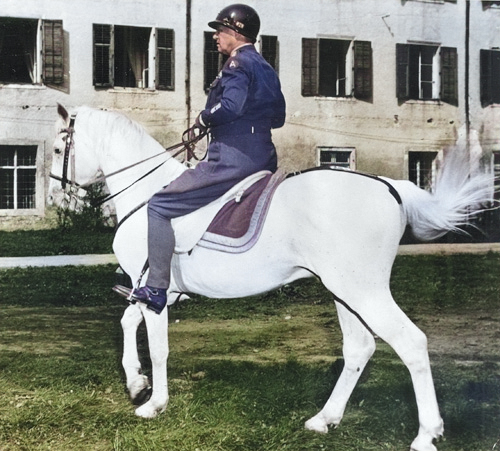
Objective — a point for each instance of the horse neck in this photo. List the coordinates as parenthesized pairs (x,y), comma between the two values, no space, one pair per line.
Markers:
(118,142)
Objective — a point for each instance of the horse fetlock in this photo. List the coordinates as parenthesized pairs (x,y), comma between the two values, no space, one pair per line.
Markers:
(138,387)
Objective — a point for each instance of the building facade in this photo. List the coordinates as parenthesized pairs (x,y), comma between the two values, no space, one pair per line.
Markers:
(377,86)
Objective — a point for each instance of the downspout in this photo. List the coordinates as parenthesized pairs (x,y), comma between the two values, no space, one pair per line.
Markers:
(187,81)
(467,67)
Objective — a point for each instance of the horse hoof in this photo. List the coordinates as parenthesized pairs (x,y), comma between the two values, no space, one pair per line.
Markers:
(148,411)
(317,425)
(421,445)
(143,396)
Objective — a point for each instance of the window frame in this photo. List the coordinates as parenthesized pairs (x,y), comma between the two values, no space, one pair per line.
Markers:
(160,59)
(424,181)
(48,52)
(351,163)
(39,209)
(444,73)
(356,68)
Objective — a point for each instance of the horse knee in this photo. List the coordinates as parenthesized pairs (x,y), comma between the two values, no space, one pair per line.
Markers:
(132,317)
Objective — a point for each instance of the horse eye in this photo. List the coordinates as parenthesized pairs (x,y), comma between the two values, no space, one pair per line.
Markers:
(56,150)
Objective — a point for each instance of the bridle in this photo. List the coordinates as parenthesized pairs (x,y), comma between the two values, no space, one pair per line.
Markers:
(68,150)
(189,139)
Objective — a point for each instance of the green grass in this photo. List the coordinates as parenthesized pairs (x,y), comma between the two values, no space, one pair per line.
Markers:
(58,241)
(244,374)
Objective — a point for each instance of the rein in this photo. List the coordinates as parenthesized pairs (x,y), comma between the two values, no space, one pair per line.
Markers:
(189,139)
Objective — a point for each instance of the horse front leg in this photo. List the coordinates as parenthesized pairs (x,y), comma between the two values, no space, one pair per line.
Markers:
(157,330)
(137,383)
(358,347)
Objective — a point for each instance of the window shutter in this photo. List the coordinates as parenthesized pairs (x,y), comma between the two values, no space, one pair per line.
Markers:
(490,74)
(53,52)
(212,60)
(165,59)
(449,75)
(269,50)
(103,55)
(363,80)
(310,65)
(402,71)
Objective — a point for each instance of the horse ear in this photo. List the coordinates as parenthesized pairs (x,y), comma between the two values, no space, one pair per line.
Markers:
(62,112)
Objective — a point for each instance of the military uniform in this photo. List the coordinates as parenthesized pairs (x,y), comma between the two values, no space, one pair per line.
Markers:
(244,103)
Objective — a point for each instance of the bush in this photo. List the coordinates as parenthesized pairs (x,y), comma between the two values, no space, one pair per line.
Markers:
(88,214)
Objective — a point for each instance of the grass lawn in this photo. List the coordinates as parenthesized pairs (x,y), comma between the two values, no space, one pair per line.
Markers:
(58,241)
(244,374)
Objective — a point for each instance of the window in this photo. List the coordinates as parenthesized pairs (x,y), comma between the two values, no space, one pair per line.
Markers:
(17,177)
(133,57)
(336,68)
(491,4)
(269,50)
(31,51)
(336,156)
(213,60)
(426,72)
(422,168)
(496,173)
(490,77)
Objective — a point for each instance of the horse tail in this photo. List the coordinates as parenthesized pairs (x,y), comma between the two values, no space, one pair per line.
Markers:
(460,193)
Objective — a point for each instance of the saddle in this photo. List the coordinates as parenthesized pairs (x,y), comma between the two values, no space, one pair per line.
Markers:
(231,223)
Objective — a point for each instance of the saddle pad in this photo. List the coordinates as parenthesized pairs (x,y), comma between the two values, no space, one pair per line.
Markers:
(190,228)
(237,227)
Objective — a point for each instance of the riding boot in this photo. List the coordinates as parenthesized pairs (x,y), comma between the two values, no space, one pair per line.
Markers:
(161,245)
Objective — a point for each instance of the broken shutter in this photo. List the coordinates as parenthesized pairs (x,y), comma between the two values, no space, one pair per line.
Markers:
(490,72)
(103,55)
(363,70)
(449,76)
(53,52)
(310,64)
(165,59)
(402,71)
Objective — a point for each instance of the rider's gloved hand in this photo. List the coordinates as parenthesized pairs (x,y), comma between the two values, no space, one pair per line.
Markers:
(193,134)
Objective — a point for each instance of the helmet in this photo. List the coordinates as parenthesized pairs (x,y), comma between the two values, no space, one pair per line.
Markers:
(241,18)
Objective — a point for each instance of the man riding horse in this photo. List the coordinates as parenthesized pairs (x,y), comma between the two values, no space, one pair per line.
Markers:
(244,103)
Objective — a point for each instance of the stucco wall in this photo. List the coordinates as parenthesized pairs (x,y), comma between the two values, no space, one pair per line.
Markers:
(382,131)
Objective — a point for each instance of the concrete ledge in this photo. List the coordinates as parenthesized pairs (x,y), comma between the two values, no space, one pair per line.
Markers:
(448,249)
(57,260)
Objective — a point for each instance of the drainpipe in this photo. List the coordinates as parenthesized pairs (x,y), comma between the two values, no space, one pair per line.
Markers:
(187,81)
(467,67)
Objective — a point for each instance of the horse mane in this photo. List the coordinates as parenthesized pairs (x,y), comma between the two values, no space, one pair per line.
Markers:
(119,128)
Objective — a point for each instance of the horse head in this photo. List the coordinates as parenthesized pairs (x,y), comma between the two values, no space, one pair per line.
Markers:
(74,162)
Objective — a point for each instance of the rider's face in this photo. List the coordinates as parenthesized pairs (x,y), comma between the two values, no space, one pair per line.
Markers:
(227,40)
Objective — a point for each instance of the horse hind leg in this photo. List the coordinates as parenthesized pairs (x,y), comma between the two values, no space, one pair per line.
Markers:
(358,347)
(390,323)
(137,383)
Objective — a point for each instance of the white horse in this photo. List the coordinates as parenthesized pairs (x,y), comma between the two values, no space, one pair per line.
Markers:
(341,227)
